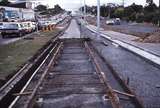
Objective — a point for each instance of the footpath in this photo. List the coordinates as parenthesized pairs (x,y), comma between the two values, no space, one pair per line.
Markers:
(150,51)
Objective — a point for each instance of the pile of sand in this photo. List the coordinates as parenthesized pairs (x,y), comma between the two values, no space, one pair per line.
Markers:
(153,38)
(143,37)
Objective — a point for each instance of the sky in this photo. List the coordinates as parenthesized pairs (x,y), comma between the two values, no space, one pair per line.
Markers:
(75,4)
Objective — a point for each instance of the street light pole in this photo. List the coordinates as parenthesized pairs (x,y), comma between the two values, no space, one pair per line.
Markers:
(81,9)
(123,3)
(84,10)
(98,19)
(159,14)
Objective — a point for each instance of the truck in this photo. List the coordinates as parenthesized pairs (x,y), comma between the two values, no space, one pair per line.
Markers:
(12,29)
(11,14)
(17,21)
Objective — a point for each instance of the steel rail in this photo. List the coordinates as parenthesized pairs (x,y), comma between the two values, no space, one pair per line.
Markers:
(134,98)
(19,72)
(10,86)
(25,66)
(26,85)
(30,101)
(110,92)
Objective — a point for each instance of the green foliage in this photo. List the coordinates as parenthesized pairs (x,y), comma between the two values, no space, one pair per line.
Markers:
(119,12)
(148,13)
(155,18)
(41,8)
(137,8)
(57,9)
(148,17)
(149,1)
(150,8)
(4,2)
(132,17)
(128,11)
(139,17)
(51,11)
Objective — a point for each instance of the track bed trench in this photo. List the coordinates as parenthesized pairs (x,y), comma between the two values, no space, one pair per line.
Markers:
(72,82)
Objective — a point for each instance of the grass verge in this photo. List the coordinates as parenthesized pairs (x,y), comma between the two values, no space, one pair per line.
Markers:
(13,55)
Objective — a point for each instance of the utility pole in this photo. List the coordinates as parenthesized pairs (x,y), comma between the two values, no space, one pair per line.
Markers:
(81,9)
(109,11)
(84,10)
(159,14)
(123,3)
(98,20)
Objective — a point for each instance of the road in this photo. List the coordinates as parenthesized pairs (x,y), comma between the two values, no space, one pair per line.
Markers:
(129,28)
(4,41)
(143,77)
(11,40)
(72,31)
(8,40)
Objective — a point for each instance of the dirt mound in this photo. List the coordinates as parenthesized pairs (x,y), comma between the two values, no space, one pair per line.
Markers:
(152,38)
(143,37)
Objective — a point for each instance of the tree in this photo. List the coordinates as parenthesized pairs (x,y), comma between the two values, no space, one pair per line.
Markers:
(4,3)
(149,1)
(119,13)
(103,11)
(128,11)
(137,8)
(150,8)
(139,17)
(57,8)
(41,8)
(51,11)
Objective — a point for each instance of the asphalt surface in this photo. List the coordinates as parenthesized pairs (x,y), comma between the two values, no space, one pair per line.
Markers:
(72,31)
(134,27)
(131,27)
(128,27)
(144,78)
(8,40)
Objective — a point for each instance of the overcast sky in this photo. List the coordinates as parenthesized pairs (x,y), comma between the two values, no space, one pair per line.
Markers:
(75,4)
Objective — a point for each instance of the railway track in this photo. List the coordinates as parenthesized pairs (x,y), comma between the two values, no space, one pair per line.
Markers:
(74,75)
(16,83)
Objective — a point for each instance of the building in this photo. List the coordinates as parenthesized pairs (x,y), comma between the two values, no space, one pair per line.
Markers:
(16,14)
(29,4)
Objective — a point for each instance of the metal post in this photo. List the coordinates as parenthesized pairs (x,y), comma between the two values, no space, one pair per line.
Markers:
(85,10)
(81,10)
(159,14)
(98,19)
(123,3)
(109,14)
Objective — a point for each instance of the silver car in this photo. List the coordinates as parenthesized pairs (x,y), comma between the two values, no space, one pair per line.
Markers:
(12,29)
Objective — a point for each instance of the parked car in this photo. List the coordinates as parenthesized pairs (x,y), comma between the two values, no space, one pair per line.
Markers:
(1,25)
(29,26)
(12,29)
(26,27)
(110,22)
(33,26)
(115,21)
